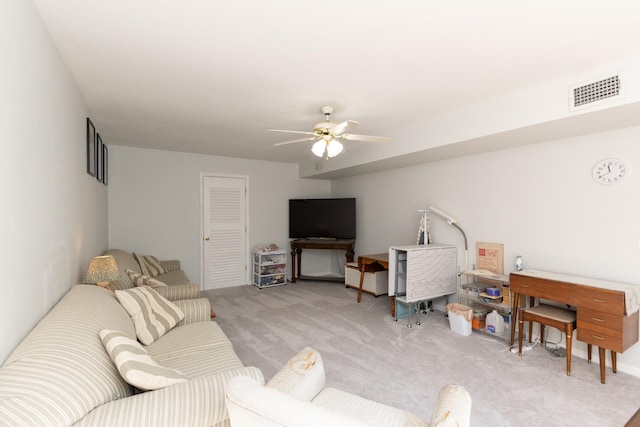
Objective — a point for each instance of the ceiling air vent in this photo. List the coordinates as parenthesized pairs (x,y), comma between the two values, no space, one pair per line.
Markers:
(594,92)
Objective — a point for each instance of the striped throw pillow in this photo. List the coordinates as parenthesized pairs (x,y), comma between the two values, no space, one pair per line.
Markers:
(150,266)
(152,315)
(135,365)
(144,280)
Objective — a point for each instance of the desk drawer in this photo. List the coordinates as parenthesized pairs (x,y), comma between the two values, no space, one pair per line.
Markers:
(600,339)
(602,300)
(551,290)
(616,333)
(600,321)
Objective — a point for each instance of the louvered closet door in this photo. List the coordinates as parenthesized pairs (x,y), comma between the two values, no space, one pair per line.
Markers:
(224,225)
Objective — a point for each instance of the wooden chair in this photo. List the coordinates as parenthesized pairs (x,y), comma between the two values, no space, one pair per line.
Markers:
(549,315)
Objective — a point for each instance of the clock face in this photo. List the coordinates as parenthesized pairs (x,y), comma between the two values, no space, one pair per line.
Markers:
(609,171)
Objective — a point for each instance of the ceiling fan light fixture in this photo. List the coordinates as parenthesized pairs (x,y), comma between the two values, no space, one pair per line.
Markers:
(327,135)
(319,147)
(334,147)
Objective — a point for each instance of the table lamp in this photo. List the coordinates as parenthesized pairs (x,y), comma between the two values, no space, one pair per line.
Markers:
(102,270)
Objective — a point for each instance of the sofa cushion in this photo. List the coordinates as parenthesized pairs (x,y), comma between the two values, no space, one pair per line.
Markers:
(196,349)
(135,365)
(302,377)
(149,265)
(367,411)
(152,315)
(250,404)
(172,278)
(179,292)
(144,280)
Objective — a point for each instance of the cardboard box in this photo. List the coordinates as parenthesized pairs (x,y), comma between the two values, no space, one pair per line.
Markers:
(490,256)
(375,283)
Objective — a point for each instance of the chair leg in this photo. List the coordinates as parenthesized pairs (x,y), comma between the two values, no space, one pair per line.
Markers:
(520,327)
(532,302)
(569,341)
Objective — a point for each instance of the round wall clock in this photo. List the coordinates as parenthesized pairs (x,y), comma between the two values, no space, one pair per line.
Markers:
(609,171)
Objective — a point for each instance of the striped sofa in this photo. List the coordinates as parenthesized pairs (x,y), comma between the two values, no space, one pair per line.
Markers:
(61,374)
(179,285)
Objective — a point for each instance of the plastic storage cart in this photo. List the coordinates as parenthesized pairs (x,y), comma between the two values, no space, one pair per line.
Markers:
(269,268)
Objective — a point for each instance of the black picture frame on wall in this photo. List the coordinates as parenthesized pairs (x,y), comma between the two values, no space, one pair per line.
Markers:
(98,157)
(105,165)
(91,148)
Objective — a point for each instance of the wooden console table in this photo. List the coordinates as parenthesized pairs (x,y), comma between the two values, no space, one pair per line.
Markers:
(296,256)
(601,308)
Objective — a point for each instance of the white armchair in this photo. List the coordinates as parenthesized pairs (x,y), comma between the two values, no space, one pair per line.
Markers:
(298,396)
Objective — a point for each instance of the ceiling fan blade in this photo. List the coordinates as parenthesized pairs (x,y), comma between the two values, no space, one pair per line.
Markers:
(340,128)
(369,138)
(291,131)
(309,138)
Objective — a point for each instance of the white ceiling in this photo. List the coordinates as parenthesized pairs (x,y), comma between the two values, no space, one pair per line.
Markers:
(209,76)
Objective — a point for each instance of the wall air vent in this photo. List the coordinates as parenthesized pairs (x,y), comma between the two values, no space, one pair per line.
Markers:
(595,92)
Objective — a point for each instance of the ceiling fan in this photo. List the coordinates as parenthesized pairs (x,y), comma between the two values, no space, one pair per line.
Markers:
(328,135)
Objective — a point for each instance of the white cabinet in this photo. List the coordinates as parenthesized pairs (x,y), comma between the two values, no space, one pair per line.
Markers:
(422,272)
(269,268)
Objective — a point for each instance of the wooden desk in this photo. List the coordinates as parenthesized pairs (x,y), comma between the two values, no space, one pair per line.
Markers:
(371,263)
(296,255)
(601,311)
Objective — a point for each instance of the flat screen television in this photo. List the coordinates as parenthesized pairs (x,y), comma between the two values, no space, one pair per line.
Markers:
(322,218)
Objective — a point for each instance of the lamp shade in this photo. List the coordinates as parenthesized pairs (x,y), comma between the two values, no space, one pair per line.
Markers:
(319,147)
(102,270)
(334,147)
(331,148)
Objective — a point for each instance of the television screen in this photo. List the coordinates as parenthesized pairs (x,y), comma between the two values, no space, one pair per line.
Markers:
(322,218)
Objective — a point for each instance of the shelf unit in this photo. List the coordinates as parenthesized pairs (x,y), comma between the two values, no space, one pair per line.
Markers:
(269,268)
(471,294)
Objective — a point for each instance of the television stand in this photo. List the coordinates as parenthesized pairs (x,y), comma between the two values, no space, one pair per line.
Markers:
(296,256)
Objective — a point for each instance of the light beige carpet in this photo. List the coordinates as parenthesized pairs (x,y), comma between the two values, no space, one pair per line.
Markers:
(367,353)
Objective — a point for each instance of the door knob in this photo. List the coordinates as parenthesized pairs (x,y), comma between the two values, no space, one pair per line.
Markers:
(206,238)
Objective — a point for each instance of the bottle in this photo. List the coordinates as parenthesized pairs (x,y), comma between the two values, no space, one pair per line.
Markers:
(495,323)
(519,265)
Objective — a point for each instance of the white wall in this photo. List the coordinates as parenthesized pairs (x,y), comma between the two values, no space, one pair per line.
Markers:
(154,203)
(54,215)
(531,115)
(540,201)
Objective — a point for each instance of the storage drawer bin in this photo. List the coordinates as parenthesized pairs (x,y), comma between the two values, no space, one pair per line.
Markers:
(375,283)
